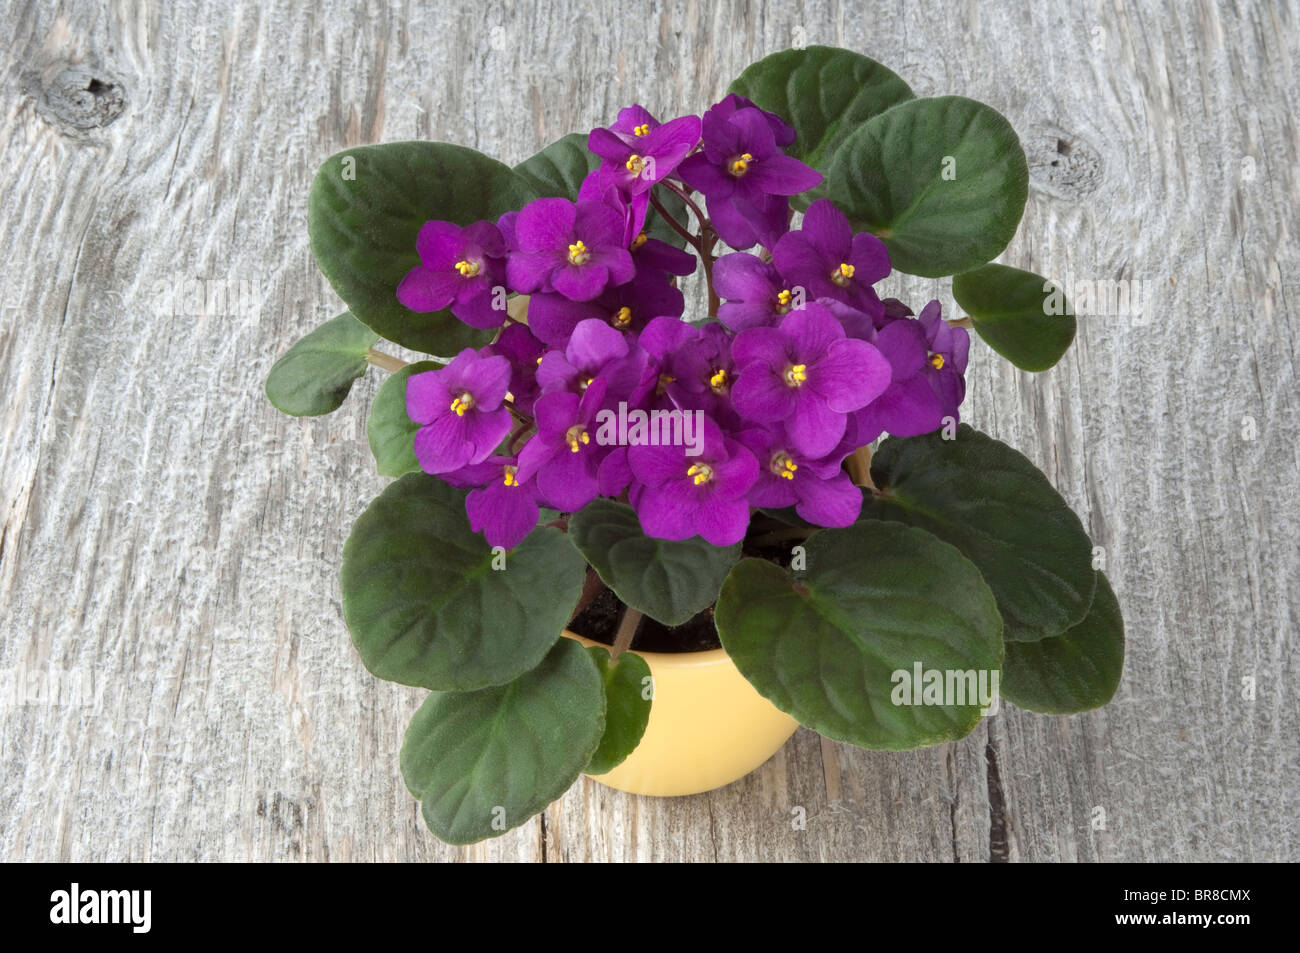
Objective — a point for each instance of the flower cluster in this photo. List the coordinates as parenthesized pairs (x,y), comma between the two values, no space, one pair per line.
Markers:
(604,388)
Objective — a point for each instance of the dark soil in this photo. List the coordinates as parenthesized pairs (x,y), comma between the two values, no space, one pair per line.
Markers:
(599,622)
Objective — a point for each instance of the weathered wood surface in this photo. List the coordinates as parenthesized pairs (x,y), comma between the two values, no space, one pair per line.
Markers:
(178,681)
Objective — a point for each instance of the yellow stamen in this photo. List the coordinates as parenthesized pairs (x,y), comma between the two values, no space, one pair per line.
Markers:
(700,473)
(462,404)
(796,374)
(510,478)
(643,129)
(719,380)
(639,240)
(467,268)
(635,164)
(578,253)
(843,274)
(936,361)
(623,317)
(664,381)
(783,299)
(576,437)
(783,466)
(740,165)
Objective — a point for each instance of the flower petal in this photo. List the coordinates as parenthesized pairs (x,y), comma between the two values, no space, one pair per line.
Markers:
(835,502)
(850,376)
(425,290)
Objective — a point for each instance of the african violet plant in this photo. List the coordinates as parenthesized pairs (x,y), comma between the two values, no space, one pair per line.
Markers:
(583,429)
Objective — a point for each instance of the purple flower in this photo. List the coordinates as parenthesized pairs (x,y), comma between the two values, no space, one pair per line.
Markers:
(928,359)
(856,324)
(635,167)
(660,259)
(460,411)
(563,455)
(948,349)
(518,346)
(806,372)
(595,350)
(732,103)
(681,496)
(573,248)
(634,122)
(627,307)
(745,176)
(830,261)
(695,367)
(819,490)
(744,222)
(505,510)
(460,268)
(909,405)
(756,294)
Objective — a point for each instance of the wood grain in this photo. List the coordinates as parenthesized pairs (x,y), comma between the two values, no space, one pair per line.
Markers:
(178,682)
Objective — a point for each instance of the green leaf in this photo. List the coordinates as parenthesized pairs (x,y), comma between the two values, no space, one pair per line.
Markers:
(366,208)
(656,227)
(558,170)
(316,374)
(1000,510)
(391,431)
(484,762)
(1072,672)
(426,599)
(877,598)
(627,707)
(790,517)
(824,93)
(669,581)
(941,181)
(1018,313)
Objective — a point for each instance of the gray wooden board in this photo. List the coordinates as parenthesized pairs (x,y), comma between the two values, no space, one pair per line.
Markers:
(178,682)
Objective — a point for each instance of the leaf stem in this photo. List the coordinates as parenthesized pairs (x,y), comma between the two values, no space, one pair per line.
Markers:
(591,587)
(627,627)
(859,467)
(385,361)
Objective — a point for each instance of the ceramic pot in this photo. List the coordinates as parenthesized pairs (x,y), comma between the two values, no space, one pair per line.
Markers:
(708,727)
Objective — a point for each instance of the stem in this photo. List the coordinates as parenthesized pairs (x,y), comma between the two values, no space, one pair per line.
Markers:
(859,465)
(703,243)
(627,627)
(710,239)
(525,423)
(591,587)
(678,227)
(385,361)
(960,323)
(690,203)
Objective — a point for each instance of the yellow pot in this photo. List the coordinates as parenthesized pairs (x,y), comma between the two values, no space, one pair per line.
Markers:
(708,727)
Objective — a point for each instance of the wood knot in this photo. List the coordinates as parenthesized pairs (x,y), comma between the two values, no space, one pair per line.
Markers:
(79,100)
(1061,163)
